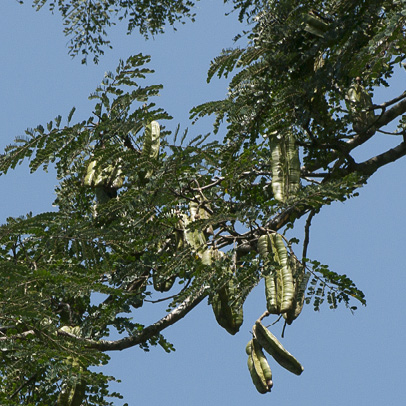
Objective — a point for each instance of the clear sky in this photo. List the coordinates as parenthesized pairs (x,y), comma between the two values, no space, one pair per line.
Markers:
(348,359)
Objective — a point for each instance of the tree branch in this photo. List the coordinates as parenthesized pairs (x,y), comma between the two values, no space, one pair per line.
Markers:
(24,384)
(385,118)
(171,318)
(373,164)
(389,102)
(307,234)
(392,113)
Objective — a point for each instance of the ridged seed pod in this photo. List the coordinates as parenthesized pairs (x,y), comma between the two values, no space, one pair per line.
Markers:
(300,281)
(255,370)
(271,294)
(358,102)
(278,168)
(285,166)
(293,162)
(273,347)
(258,354)
(228,312)
(162,283)
(151,145)
(285,289)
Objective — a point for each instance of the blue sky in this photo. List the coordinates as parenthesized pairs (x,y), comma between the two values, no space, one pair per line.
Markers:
(348,359)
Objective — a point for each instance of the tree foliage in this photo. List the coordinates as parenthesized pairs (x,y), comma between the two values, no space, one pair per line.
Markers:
(86,21)
(142,214)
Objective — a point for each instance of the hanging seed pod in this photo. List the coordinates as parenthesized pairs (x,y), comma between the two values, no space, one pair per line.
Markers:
(278,168)
(151,145)
(292,157)
(315,25)
(152,140)
(359,102)
(226,306)
(285,166)
(273,347)
(162,283)
(301,278)
(110,177)
(285,289)
(265,250)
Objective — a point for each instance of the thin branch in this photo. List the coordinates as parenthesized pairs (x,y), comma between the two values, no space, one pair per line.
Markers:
(385,118)
(210,185)
(305,174)
(23,385)
(383,106)
(170,297)
(263,315)
(3,329)
(307,234)
(391,132)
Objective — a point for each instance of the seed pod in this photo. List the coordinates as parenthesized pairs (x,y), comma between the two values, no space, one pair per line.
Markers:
(108,177)
(151,145)
(358,103)
(227,310)
(278,168)
(72,393)
(292,155)
(271,295)
(152,140)
(285,287)
(90,178)
(197,212)
(162,283)
(300,281)
(264,246)
(248,348)
(315,25)
(256,380)
(265,250)
(285,166)
(195,238)
(273,347)
(265,373)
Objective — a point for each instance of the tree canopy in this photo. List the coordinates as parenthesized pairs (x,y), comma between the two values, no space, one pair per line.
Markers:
(146,215)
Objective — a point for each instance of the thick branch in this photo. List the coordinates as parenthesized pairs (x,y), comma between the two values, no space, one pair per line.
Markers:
(391,114)
(373,164)
(384,119)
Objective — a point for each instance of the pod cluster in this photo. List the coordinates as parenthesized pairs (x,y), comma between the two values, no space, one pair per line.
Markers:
(227,310)
(105,181)
(258,365)
(286,282)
